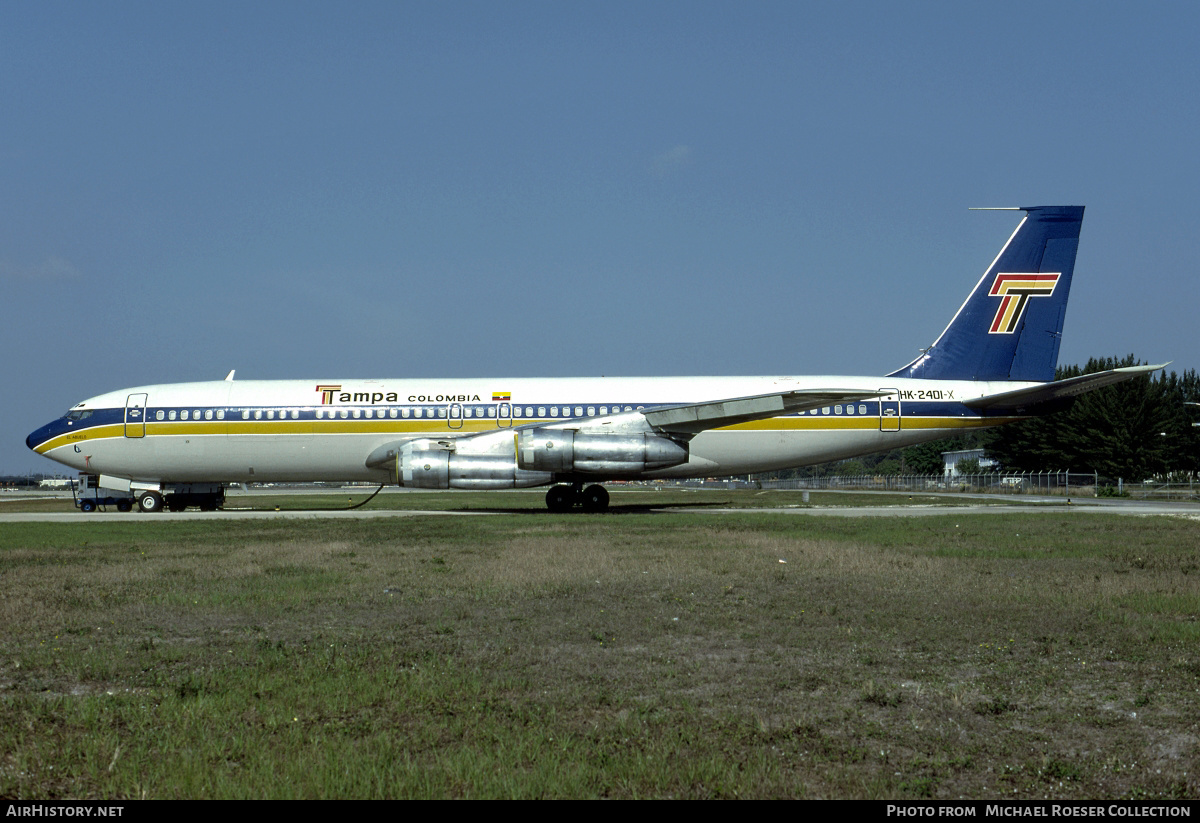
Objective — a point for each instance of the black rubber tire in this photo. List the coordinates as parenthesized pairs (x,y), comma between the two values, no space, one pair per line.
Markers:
(150,502)
(594,498)
(560,499)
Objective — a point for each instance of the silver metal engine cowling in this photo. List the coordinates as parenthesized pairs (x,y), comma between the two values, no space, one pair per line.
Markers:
(421,465)
(569,451)
(424,464)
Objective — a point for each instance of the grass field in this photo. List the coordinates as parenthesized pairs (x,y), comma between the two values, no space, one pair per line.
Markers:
(638,654)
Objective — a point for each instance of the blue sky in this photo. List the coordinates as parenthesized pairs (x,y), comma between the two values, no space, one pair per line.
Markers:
(334,190)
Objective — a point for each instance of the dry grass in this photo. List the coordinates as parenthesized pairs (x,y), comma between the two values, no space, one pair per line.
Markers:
(641,655)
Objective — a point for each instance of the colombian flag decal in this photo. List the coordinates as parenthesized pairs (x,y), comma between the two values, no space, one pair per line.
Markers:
(501,396)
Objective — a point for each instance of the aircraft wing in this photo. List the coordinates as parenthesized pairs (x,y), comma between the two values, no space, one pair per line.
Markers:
(1059,390)
(693,418)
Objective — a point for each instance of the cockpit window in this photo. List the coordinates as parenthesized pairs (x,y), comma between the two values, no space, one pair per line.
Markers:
(78,415)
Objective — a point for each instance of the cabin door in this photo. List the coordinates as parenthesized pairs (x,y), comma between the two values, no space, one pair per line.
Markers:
(889,411)
(135,415)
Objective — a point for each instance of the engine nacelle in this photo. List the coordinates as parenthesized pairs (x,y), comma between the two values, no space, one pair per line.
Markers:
(569,451)
(423,464)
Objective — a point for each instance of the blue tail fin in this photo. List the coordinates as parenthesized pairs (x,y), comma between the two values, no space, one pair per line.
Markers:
(1011,325)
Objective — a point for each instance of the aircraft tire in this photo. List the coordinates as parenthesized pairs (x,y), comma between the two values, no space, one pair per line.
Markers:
(150,502)
(560,498)
(594,498)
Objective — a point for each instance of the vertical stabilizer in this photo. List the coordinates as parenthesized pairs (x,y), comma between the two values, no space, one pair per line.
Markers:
(1011,325)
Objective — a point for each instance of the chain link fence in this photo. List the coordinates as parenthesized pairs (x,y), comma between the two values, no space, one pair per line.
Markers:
(1052,483)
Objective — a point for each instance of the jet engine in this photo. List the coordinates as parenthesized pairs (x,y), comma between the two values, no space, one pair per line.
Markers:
(425,464)
(569,451)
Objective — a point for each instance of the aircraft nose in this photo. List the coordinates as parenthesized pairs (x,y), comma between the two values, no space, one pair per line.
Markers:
(40,436)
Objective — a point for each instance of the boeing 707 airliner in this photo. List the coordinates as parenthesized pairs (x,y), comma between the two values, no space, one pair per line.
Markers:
(177,444)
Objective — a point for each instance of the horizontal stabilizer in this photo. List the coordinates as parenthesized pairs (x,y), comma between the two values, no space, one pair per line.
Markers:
(1062,389)
(693,418)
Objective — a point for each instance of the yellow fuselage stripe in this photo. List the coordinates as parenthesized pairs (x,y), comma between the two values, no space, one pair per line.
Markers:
(440,427)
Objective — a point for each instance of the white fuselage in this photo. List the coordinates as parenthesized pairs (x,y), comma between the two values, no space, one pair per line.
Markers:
(312,430)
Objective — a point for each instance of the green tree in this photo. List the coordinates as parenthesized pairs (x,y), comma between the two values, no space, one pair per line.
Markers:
(889,466)
(926,458)
(1132,430)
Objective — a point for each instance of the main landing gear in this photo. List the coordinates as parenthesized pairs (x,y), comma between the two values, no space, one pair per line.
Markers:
(563,498)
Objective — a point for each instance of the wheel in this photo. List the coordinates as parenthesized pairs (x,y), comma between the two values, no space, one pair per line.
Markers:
(560,498)
(87,505)
(594,498)
(124,505)
(150,502)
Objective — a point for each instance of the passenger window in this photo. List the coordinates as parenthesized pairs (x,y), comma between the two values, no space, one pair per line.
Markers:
(295,414)
(628,408)
(404,412)
(320,414)
(208,414)
(159,415)
(196,414)
(257,414)
(862,409)
(392,413)
(357,413)
(245,414)
(554,411)
(270,414)
(467,411)
(604,409)
(342,413)
(183,415)
(220,414)
(849,408)
(825,410)
(491,411)
(442,411)
(541,411)
(837,409)
(591,411)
